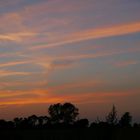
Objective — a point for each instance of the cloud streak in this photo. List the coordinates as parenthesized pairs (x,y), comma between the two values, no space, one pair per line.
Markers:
(125,63)
(8,64)
(4,73)
(117,30)
(17,37)
(71,57)
(84,98)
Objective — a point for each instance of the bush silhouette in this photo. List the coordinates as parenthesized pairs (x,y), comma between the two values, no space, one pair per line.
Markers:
(82,123)
(126,120)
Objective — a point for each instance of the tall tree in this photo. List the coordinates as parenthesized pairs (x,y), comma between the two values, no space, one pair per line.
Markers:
(112,116)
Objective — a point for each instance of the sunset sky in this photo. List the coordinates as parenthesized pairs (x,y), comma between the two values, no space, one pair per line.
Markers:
(82,51)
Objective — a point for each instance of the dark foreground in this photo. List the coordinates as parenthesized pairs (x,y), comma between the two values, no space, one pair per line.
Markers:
(72,134)
(63,124)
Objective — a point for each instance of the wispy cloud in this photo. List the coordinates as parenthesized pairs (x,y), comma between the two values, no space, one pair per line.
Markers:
(84,98)
(8,64)
(94,34)
(22,85)
(125,63)
(16,36)
(79,56)
(12,73)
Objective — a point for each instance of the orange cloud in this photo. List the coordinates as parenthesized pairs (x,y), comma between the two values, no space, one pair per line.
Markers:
(11,73)
(94,34)
(14,93)
(15,30)
(75,98)
(46,97)
(14,63)
(19,36)
(22,83)
(76,56)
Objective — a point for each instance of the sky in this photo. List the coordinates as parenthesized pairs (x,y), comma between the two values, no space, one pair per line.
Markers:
(86,52)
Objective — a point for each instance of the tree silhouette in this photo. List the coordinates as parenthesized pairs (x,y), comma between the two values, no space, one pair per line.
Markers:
(2,124)
(42,121)
(126,120)
(55,113)
(18,122)
(63,113)
(112,116)
(69,113)
(32,120)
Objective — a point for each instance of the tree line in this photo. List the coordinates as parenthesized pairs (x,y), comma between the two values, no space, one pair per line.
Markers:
(66,116)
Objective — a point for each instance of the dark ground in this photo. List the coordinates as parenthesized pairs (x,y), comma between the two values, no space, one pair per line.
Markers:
(72,134)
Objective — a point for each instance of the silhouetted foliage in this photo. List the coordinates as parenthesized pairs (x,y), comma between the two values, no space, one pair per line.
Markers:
(32,120)
(82,123)
(63,113)
(43,121)
(136,125)
(126,120)
(63,124)
(55,113)
(18,122)
(69,113)
(112,116)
